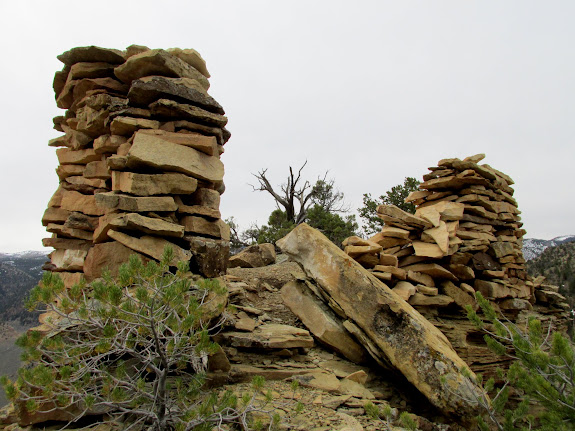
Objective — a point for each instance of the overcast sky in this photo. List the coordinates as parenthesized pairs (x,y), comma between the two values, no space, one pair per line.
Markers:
(372,91)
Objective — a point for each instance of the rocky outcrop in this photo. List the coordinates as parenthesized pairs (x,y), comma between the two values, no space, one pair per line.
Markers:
(397,333)
(139,162)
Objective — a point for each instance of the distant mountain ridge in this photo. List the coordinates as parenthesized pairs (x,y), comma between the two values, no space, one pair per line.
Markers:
(19,273)
(533,247)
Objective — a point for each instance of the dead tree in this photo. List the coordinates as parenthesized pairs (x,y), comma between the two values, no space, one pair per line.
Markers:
(297,196)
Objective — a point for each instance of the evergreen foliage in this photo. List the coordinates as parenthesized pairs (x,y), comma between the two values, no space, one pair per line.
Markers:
(135,348)
(396,196)
(542,375)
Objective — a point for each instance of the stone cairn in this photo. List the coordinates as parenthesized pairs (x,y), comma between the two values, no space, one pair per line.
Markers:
(139,163)
(465,236)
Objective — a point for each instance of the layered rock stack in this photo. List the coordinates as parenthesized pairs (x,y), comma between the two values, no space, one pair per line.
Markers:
(139,162)
(465,236)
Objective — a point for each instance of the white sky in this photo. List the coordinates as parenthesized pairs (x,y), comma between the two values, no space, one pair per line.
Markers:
(372,91)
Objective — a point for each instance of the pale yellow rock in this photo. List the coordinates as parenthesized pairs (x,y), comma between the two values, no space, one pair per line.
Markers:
(76,157)
(439,235)
(430,214)
(387,259)
(394,232)
(151,246)
(320,320)
(112,200)
(126,126)
(205,144)
(154,226)
(395,271)
(417,348)
(192,57)
(432,269)
(422,300)
(357,250)
(429,291)
(202,226)
(68,260)
(404,290)
(269,336)
(155,151)
(108,144)
(153,184)
(427,249)
(397,213)
(420,278)
(86,204)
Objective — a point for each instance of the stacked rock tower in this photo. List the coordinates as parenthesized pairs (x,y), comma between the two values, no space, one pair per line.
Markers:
(139,162)
(465,237)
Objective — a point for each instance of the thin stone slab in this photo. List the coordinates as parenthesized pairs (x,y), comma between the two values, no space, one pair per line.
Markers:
(91,54)
(151,246)
(112,200)
(160,153)
(148,89)
(158,62)
(169,108)
(205,144)
(269,336)
(153,184)
(413,345)
(321,321)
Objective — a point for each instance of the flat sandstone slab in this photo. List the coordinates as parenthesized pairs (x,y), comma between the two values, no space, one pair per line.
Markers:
(158,151)
(410,342)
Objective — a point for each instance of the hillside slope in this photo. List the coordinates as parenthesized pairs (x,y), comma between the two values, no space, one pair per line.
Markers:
(19,273)
(557,264)
(533,247)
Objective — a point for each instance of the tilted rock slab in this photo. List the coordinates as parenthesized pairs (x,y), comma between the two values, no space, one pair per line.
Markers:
(413,345)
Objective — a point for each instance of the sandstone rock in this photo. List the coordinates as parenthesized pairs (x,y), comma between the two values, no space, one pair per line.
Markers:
(112,200)
(268,336)
(321,321)
(404,290)
(426,290)
(97,169)
(418,349)
(192,57)
(170,109)
(86,204)
(66,244)
(151,246)
(460,297)
(54,215)
(91,54)
(387,259)
(246,324)
(319,380)
(357,250)
(158,62)
(439,235)
(66,232)
(254,256)
(427,249)
(77,220)
(157,152)
(409,219)
(394,232)
(420,278)
(204,227)
(76,157)
(138,222)
(126,126)
(355,389)
(153,184)
(106,256)
(420,299)
(108,143)
(209,256)
(149,89)
(490,289)
(432,269)
(204,144)
(68,260)
(197,209)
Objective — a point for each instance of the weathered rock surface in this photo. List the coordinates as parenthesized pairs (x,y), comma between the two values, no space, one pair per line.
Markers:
(413,345)
(321,321)
(254,256)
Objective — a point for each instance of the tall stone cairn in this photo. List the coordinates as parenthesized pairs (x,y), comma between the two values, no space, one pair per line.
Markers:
(465,236)
(139,162)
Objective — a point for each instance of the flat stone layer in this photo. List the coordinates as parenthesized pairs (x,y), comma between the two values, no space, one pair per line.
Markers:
(159,152)
(413,345)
